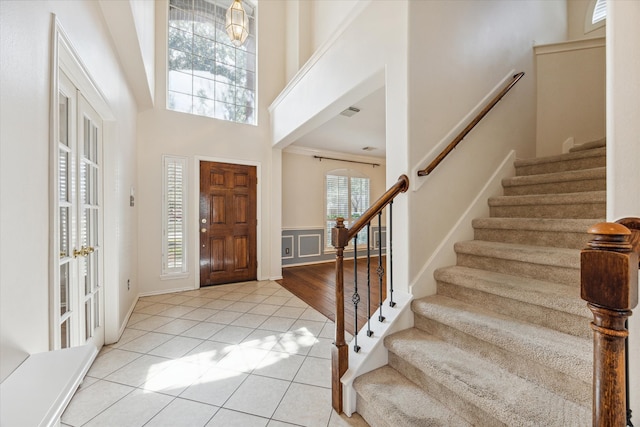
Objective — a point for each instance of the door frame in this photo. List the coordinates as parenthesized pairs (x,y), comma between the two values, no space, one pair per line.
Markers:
(64,57)
(195,229)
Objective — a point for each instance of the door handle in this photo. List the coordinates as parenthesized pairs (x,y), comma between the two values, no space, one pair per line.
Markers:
(203,230)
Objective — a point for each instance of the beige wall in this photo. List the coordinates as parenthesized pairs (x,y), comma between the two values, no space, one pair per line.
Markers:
(576,15)
(458,52)
(570,94)
(168,132)
(623,148)
(25,37)
(303,192)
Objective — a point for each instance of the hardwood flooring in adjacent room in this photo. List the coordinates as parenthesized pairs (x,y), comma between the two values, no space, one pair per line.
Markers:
(315,285)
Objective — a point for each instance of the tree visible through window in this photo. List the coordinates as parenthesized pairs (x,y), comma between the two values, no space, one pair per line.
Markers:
(347,196)
(207,75)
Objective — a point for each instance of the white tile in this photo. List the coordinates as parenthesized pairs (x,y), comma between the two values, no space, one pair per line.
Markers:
(290,312)
(142,304)
(241,306)
(177,299)
(128,335)
(264,309)
(140,370)
(315,371)
(322,348)
(146,342)
(156,298)
(295,344)
(87,381)
(278,324)
(242,359)
(233,296)
(328,331)
(283,293)
(296,302)
(225,317)
(218,304)
(136,317)
(176,347)
(154,308)
(305,405)
(152,323)
(133,410)
(110,362)
(203,330)
(208,353)
(228,418)
(200,314)
(250,320)
(254,298)
(276,300)
(176,311)
(196,302)
(313,314)
(176,327)
(175,378)
(182,412)
(274,423)
(214,387)
(307,327)
(92,400)
(260,338)
(231,334)
(283,366)
(258,396)
(265,291)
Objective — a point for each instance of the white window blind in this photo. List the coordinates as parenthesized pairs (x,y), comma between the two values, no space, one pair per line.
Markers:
(174,214)
(347,196)
(599,11)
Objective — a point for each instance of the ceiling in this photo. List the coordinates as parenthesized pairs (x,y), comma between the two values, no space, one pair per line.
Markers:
(350,134)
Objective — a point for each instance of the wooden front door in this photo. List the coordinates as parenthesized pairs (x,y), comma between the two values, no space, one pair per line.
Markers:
(227,223)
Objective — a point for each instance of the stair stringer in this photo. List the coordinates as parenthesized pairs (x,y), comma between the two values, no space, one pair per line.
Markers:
(424,284)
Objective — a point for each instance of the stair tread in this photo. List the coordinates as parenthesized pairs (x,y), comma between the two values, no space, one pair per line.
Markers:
(559,257)
(546,178)
(594,152)
(506,396)
(532,291)
(537,224)
(563,352)
(401,401)
(550,199)
(602,142)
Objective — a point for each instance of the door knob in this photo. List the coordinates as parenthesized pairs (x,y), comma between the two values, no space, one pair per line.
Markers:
(204,230)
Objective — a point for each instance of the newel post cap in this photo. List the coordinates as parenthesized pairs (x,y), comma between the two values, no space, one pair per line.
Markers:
(609,268)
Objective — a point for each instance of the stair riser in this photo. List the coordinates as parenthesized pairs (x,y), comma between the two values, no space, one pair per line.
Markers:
(575,389)
(433,387)
(555,239)
(556,187)
(543,316)
(567,211)
(550,273)
(564,166)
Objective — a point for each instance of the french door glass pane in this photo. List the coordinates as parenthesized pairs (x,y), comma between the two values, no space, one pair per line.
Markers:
(65,334)
(96,310)
(64,231)
(87,319)
(94,185)
(94,229)
(63,105)
(87,138)
(94,144)
(63,173)
(64,288)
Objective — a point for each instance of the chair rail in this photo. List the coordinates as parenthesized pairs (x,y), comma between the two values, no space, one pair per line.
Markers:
(449,148)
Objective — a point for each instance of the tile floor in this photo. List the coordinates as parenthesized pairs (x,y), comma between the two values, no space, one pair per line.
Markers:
(248,354)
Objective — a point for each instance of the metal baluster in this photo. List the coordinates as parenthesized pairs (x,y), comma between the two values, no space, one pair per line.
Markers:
(380,270)
(390,253)
(355,299)
(369,331)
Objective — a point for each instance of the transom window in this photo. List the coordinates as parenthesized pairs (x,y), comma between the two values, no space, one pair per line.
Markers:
(347,196)
(207,74)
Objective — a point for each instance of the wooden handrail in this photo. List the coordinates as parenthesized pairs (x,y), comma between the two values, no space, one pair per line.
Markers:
(609,284)
(340,236)
(426,171)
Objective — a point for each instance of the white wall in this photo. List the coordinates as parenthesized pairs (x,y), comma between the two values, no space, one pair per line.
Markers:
(168,132)
(576,14)
(623,149)
(570,94)
(303,191)
(327,17)
(25,37)
(458,52)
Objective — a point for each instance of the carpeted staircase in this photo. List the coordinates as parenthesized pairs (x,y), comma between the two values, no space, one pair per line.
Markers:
(506,339)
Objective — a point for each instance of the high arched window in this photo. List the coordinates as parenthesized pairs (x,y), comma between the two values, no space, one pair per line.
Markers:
(347,196)
(596,15)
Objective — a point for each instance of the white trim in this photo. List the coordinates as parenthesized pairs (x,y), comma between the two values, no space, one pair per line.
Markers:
(292,249)
(126,321)
(306,151)
(302,228)
(318,236)
(570,46)
(196,211)
(319,53)
(165,291)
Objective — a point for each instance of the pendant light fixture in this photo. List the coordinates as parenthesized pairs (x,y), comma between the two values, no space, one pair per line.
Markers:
(237,23)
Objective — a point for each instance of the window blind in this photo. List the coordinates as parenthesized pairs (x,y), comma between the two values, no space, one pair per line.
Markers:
(174,224)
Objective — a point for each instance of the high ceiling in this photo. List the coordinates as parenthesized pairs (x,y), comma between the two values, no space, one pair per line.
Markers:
(351,134)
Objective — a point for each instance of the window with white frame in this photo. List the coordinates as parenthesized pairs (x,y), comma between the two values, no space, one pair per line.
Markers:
(347,196)
(207,74)
(596,15)
(174,227)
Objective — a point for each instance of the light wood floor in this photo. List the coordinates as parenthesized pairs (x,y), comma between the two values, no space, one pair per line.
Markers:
(315,285)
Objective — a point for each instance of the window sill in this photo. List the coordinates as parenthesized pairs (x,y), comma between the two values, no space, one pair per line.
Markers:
(174,276)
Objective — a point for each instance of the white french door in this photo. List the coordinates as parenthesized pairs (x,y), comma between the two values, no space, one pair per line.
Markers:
(78,295)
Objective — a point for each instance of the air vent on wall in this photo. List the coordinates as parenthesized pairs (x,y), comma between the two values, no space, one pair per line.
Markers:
(349,112)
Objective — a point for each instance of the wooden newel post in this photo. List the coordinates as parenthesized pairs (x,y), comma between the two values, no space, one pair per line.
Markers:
(609,283)
(340,351)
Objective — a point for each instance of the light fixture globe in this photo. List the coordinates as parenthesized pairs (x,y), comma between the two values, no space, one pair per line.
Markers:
(237,23)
